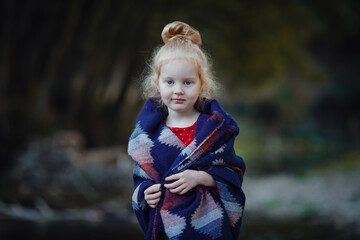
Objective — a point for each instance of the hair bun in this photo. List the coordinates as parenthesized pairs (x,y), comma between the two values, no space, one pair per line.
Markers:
(180,30)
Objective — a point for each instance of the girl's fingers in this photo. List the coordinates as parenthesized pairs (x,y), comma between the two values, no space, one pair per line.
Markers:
(153,202)
(173,177)
(178,189)
(155,187)
(152,189)
(152,196)
(184,191)
(174,184)
(153,205)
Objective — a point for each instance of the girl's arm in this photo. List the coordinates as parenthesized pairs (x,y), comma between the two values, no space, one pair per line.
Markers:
(187,180)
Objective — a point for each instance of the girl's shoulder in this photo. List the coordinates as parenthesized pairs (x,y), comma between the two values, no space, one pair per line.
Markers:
(209,106)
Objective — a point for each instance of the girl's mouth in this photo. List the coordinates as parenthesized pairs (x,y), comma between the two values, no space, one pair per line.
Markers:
(179,100)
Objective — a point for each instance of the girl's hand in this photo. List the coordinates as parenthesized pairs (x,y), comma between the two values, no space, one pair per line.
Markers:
(152,195)
(187,180)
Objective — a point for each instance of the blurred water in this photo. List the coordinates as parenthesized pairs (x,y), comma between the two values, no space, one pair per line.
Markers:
(252,230)
(15,229)
(294,229)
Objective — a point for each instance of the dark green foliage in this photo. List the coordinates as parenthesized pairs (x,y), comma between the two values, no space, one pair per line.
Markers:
(77,65)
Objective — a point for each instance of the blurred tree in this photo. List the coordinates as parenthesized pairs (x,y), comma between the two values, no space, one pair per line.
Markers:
(75,64)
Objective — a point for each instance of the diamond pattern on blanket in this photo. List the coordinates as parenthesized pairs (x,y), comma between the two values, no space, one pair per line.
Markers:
(167,137)
(135,204)
(221,149)
(189,149)
(218,162)
(140,145)
(233,209)
(172,199)
(139,172)
(173,224)
(208,217)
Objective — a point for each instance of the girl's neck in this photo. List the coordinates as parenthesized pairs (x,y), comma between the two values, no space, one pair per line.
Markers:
(182,120)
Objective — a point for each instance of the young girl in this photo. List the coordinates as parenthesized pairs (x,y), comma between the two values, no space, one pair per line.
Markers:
(187,176)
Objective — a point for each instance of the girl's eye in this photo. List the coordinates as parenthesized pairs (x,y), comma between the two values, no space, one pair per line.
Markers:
(187,83)
(169,82)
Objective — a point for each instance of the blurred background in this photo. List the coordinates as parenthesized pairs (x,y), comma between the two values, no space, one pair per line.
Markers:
(69,98)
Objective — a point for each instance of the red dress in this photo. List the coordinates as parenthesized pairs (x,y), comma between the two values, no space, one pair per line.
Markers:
(186,135)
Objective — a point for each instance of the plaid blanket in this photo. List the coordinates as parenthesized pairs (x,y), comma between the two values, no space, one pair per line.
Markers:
(203,212)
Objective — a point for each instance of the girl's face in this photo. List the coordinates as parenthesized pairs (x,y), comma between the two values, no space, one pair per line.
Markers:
(179,86)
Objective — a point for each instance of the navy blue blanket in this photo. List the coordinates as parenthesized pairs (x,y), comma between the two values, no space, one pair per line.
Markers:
(203,212)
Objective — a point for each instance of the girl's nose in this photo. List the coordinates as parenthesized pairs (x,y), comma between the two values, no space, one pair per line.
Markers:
(179,90)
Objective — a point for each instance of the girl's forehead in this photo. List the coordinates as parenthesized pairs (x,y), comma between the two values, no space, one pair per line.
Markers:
(179,59)
(174,54)
(178,66)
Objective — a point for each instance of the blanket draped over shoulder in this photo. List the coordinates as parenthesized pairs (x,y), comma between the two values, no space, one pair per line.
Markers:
(203,212)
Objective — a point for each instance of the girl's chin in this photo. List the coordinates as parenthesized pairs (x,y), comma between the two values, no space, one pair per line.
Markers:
(180,109)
